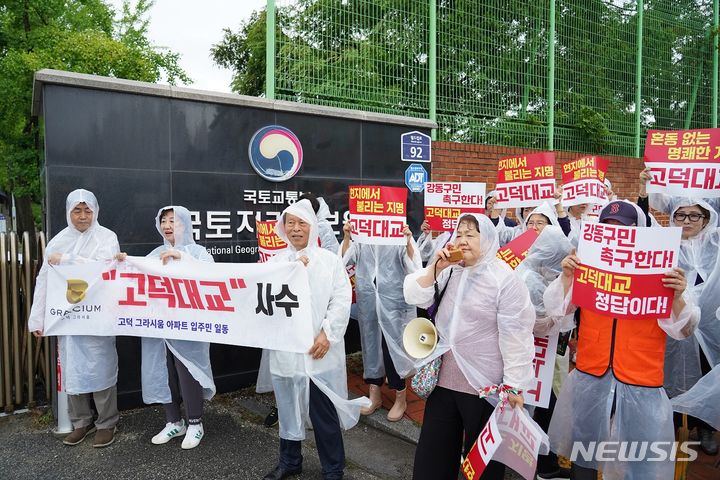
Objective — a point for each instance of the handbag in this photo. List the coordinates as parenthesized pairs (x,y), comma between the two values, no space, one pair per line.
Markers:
(426,379)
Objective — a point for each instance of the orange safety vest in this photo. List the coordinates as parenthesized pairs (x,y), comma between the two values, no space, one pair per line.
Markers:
(634,348)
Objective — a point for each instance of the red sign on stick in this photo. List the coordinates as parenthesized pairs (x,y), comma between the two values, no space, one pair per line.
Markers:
(526,180)
(378,214)
(583,181)
(515,252)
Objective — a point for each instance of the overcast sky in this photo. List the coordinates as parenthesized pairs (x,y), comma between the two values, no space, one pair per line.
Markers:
(191,27)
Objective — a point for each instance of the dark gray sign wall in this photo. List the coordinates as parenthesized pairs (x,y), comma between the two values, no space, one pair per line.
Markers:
(139,152)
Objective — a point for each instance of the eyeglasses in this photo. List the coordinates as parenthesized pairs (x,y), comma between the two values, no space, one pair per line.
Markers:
(536,224)
(694,217)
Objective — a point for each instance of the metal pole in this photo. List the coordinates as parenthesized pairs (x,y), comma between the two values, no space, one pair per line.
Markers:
(432,65)
(716,26)
(15,315)
(28,294)
(551,79)
(270,50)
(7,373)
(638,76)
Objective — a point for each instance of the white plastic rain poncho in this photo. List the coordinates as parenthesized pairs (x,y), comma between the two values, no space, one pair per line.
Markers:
(427,245)
(698,257)
(381,306)
(701,401)
(89,363)
(194,355)
(507,234)
(665,203)
(328,239)
(485,318)
(597,409)
(540,267)
(331,298)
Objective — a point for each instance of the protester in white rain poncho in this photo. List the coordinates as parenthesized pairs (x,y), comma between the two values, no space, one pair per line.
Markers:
(485,321)
(685,360)
(540,267)
(177,369)
(383,314)
(615,392)
(427,245)
(537,219)
(89,364)
(701,401)
(313,385)
(329,242)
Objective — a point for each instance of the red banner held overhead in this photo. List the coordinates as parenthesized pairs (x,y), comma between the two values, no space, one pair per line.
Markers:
(622,270)
(446,201)
(684,162)
(378,214)
(525,181)
(583,181)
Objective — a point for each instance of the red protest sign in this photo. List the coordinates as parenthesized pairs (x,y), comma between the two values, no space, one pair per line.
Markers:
(583,181)
(515,252)
(622,270)
(684,162)
(446,201)
(269,244)
(482,450)
(526,180)
(378,214)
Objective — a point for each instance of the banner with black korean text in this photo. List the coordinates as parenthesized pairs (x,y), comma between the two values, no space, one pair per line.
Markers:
(254,305)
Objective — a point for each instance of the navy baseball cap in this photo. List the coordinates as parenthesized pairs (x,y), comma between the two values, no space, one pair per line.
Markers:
(623,212)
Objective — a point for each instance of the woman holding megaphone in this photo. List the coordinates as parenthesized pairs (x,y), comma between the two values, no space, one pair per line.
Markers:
(485,322)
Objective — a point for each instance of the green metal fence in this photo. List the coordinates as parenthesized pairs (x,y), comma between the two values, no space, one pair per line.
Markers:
(580,75)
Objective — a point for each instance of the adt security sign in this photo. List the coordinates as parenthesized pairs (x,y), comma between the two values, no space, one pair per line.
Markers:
(415,147)
(415,177)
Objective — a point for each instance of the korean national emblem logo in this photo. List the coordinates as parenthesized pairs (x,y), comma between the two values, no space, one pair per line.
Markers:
(76,290)
(275,153)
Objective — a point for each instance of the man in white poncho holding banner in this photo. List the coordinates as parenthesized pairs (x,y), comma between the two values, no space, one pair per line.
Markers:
(314,385)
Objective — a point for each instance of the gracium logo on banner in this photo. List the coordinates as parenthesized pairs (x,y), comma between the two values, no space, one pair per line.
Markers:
(633,451)
(275,153)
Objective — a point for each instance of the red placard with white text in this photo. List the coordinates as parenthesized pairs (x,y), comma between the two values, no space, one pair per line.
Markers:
(446,201)
(269,244)
(378,214)
(525,180)
(622,270)
(583,181)
(515,252)
(684,162)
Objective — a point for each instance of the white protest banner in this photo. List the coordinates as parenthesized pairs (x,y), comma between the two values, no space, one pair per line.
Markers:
(525,180)
(583,181)
(378,214)
(510,437)
(446,201)
(623,267)
(544,366)
(684,162)
(251,304)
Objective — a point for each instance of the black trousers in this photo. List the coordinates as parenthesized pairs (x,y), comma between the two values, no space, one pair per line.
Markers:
(328,438)
(546,463)
(393,378)
(449,414)
(183,387)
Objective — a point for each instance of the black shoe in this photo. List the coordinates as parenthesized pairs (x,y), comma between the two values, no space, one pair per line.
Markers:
(559,474)
(272,418)
(279,473)
(707,441)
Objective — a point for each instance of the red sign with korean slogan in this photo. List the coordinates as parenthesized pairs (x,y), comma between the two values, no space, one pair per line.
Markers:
(515,252)
(622,270)
(446,201)
(378,214)
(583,181)
(684,162)
(526,180)
(269,244)
(544,367)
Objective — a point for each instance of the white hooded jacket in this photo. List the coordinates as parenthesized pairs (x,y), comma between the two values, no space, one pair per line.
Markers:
(194,355)
(331,298)
(89,363)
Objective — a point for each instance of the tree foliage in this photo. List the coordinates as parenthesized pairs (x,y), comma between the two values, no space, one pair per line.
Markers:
(492,71)
(73,35)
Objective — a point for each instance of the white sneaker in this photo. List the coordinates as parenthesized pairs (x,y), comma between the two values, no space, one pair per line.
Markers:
(192,438)
(170,431)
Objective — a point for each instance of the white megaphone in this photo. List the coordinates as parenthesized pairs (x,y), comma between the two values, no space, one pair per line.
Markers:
(420,337)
